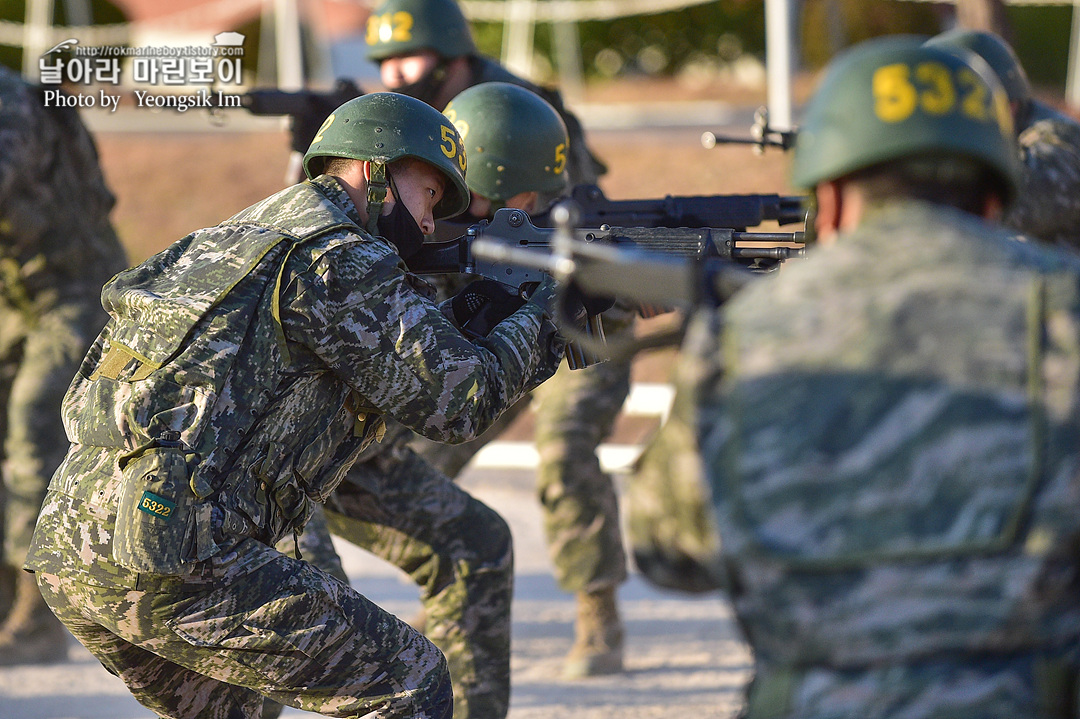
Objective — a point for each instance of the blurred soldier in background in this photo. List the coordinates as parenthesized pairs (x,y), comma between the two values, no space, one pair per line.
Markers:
(889,427)
(399,506)
(425,49)
(393,502)
(1048,206)
(57,248)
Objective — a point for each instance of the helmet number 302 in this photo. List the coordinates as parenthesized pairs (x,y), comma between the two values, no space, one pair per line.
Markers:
(389,27)
(900,90)
(451,146)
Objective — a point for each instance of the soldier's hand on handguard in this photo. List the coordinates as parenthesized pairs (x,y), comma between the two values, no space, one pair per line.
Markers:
(592,304)
(544,295)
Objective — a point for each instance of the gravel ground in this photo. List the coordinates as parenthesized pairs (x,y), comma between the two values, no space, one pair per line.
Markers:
(684,654)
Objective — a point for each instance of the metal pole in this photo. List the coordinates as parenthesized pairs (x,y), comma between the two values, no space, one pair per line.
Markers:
(779,60)
(568,56)
(79,12)
(518,30)
(290,62)
(38,20)
(290,66)
(267,61)
(1072,80)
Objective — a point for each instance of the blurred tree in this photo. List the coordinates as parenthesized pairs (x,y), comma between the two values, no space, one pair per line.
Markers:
(828,26)
(102,12)
(1041,36)
(720,31)
(651,44)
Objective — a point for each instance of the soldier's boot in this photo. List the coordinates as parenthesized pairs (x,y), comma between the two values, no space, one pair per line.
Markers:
(598,637)
(7,589)
(31,634)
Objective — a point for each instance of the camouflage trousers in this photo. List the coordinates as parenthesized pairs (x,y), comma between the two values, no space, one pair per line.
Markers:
(38,357)
(403,509)
(457,550)
(576,410)
(285,630)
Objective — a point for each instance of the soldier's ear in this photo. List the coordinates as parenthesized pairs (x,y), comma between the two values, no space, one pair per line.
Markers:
(830,205)
(992,207)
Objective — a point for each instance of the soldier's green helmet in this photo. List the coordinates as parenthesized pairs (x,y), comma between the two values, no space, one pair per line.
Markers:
(894,98)
(404,27)
(998,54)
(515,140)
(386,126)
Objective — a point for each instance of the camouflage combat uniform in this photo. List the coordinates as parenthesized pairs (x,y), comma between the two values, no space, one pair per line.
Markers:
(272,343)
(396,504)
(576,411)
(891,442)
(57,248)
(1048,206)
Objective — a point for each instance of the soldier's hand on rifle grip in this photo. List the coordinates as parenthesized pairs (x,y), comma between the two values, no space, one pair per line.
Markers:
(480,306)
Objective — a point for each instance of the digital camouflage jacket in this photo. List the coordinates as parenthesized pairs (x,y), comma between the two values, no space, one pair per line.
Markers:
(889,430)
(1048,204)
(273,344)
(56,242)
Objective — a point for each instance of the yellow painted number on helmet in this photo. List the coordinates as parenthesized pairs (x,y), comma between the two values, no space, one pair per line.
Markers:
(452,149)
(894,95)
(975,100)
(560,158)
(979,104)
(389,27)
(326,124)
(939,97)
(935,90)
(461,126)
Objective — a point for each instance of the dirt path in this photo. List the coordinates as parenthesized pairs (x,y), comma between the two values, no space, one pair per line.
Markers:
(684,657)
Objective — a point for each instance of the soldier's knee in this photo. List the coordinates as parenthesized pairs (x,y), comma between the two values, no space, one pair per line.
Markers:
(489,540)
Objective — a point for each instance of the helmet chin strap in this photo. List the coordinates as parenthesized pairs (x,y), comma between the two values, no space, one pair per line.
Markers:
(376,195)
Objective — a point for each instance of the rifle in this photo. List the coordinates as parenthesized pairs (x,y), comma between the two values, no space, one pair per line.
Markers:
(625,271)
(762,135)
(514,249)
(735,211)
(307,109)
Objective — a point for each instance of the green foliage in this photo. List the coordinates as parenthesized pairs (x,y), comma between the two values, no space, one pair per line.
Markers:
(1040,36)
(103,12)
(672,38)
(829,26)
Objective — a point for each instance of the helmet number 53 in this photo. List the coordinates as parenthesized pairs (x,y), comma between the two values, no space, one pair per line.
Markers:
(451,148)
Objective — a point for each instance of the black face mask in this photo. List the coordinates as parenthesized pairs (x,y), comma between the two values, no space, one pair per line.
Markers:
(427,87)
(399,227)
